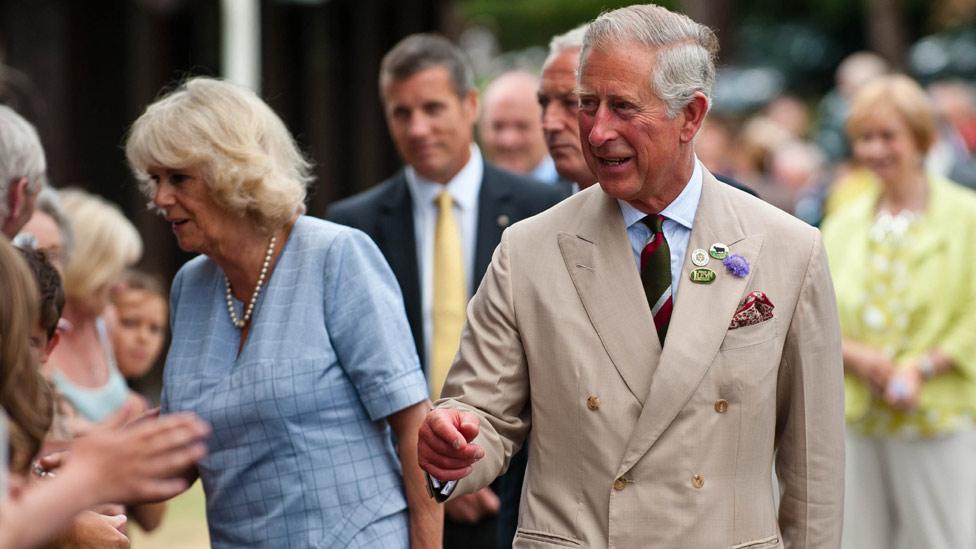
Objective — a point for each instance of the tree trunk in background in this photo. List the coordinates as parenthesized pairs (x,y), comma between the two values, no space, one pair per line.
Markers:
(886,31)
(718,15)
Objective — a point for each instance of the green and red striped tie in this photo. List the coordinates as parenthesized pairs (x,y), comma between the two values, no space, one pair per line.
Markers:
(655,273)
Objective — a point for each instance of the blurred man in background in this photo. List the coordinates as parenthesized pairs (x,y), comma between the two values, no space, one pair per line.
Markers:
(22,170)
(510,128)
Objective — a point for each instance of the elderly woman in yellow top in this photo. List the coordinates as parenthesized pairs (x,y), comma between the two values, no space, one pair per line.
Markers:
(289,337)
(905,274)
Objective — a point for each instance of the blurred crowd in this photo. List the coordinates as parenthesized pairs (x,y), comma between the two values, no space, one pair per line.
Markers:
(879,163)
(795,152)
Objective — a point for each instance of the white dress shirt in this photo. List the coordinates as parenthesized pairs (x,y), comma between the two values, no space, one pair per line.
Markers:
(680,214)
(464,189)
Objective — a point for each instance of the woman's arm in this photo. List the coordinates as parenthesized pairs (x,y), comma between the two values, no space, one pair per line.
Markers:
(426,516)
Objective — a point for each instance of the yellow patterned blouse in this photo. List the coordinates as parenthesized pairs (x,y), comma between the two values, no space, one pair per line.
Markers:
(906,284)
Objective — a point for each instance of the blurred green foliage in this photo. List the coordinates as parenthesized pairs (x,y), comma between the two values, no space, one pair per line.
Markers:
(520,24)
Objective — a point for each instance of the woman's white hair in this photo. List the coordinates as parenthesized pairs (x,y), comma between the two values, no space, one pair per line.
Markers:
(248,159)
(685,50)
(21,155)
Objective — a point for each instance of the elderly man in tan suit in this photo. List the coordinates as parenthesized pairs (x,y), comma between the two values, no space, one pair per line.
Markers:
(659,338)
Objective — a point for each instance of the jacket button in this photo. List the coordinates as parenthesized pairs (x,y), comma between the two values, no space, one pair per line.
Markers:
(721,405)
(697,481)
(619,484)
(593,402)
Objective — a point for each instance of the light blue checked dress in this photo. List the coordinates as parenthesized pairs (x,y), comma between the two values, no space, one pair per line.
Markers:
(299,455)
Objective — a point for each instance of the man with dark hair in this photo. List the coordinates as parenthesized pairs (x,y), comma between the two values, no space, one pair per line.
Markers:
(439,219)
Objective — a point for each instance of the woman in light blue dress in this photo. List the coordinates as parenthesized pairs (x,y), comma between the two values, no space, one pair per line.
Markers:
(289,337)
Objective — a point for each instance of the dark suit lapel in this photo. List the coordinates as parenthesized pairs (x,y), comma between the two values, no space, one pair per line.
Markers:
(702,313)
(602,266)
(398,244)
(494,215)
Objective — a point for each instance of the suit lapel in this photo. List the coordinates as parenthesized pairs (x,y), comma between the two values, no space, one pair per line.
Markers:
(700,320)
(398,243)
(601,264)
(493,200)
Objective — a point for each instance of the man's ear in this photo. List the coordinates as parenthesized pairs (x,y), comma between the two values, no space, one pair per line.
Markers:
(17,196)
(694,115)
(16,199)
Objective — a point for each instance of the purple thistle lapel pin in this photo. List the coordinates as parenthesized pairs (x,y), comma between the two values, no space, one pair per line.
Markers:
(737,265)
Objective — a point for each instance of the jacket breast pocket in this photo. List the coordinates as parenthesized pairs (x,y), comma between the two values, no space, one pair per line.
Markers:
(750,335)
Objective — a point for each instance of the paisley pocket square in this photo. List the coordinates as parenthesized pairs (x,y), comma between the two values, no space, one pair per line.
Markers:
(753,309)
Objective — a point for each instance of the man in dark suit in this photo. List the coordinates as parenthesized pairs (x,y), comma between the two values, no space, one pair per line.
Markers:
(439,219)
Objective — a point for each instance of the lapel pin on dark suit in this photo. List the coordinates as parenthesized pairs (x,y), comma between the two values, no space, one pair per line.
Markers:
(503,221)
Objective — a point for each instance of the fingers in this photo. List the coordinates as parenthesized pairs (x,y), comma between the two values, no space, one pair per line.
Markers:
(53,460)
(444,449)
(469,426)
(443,424)
(120,418)
(489,501)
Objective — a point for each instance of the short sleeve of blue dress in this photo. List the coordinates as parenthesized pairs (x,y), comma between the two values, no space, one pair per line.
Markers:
(299,456)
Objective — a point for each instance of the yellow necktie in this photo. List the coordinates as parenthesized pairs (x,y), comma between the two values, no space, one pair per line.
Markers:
(450,294)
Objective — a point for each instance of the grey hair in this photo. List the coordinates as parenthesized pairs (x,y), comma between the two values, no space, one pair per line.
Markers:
(685,50)
(49,202)
(419,52)
(568,40)
(21,155)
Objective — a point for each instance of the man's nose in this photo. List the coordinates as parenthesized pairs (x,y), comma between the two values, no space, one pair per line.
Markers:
(419,125)
(603,127)
(551,121)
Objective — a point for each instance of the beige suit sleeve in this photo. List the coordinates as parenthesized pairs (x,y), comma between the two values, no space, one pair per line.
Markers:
(489,376)
(810,415)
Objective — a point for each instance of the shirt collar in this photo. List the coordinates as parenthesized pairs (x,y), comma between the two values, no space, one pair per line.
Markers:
(681,210)
(463,187)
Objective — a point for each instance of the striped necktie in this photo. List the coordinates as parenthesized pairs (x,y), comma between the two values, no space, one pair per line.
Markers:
(655,273)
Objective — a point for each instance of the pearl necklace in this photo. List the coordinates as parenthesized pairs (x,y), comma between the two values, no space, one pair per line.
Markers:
(249,311)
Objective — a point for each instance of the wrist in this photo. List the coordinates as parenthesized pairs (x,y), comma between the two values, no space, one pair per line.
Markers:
(925,367)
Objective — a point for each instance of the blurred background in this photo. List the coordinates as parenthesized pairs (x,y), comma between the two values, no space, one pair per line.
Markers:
(82,71)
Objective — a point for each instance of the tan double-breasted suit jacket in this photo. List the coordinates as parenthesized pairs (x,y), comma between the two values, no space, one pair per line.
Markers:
(636,446)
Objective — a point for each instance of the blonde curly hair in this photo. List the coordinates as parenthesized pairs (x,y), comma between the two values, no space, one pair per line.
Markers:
(248,159)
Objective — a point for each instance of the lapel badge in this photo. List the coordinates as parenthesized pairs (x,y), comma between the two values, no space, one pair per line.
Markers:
(718,251)
(699,257)
(702,275)
(503,220)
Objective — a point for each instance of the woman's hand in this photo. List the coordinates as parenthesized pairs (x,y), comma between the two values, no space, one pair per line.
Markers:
(91,530)
(139,462)
(871,365)
(903,389)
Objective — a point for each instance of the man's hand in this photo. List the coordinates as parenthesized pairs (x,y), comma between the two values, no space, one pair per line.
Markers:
(445,450)
(470,508)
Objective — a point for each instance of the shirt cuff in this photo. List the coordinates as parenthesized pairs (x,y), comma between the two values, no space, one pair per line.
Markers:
(439,490)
